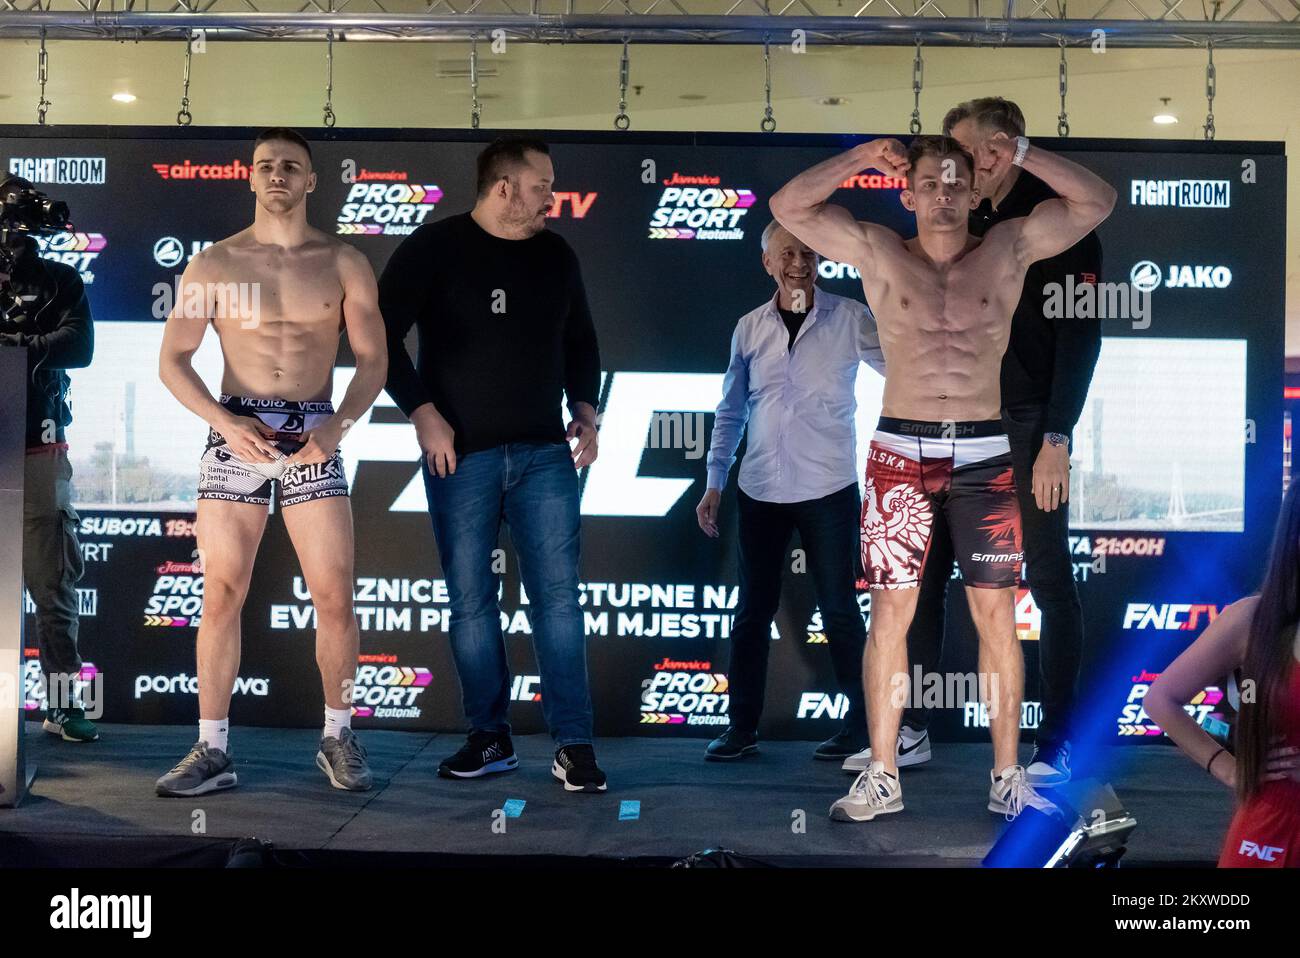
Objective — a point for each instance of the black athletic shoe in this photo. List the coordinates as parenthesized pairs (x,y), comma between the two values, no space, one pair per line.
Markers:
(842,744)
(1049,765)
(483,753)
(731,745)
(575,766)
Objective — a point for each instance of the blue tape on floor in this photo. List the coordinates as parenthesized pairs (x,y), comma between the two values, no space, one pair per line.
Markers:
(514,807)
(629,811)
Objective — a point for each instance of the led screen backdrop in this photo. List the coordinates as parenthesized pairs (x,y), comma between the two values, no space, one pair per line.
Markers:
(1176,465)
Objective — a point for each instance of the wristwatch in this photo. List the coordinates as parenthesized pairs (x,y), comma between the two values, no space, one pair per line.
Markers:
(1022,147)
(1057,438)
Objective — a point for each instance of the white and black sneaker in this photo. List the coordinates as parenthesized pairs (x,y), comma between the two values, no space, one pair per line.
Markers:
(483,753)
(575,766)
(874,792)
(203,770)
(1049,765)
(1010,794)
(913,749)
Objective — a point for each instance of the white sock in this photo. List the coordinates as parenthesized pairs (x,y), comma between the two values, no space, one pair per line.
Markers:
(336,720)
(214,732)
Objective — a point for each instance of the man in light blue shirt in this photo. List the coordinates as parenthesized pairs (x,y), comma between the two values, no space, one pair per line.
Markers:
(794,362)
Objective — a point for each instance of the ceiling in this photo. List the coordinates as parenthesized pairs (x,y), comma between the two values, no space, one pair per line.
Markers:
(674,87)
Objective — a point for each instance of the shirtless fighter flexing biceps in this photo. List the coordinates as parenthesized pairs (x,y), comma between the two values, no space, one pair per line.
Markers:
(278,294)
(943,301)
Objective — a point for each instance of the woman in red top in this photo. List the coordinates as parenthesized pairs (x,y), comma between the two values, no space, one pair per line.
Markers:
(1258,637)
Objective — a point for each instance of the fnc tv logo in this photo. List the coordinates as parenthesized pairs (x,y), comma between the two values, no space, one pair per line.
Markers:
(1265,853)
(1170,617)
(685,693)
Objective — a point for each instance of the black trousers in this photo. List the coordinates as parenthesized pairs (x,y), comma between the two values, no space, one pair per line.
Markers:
(828,528)
(1050,572)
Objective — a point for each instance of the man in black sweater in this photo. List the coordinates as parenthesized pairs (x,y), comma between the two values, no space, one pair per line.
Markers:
(43,307)
(1046,372)
(504,333)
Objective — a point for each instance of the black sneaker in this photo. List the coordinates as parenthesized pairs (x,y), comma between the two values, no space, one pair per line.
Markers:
(483,753)
(575,766)
(203,770)
(1049,765)
(731,745)
(842,744)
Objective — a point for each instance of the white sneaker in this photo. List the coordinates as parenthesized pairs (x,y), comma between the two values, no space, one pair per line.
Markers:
(913,749)
(874,792)
(1010,794)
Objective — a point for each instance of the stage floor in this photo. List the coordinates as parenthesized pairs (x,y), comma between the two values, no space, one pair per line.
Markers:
(94,804)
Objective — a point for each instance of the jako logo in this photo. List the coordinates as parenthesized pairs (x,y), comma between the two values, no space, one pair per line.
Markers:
(75,911)
(189,685)
(1140,615)
(1145,277)
(1265,853)
(820,705)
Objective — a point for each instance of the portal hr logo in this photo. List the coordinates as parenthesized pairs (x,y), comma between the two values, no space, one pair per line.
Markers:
(1169,617)
(685,693)
(689,212)
(184,684)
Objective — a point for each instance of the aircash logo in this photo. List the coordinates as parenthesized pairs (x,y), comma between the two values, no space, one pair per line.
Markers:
(684,693)
(383,689)
(386,209)
(177,599)
(874,181)
(185,170)
(708,211)
(1170,616)
(1200,194)
(1133,718)
(78,250)
(61,170)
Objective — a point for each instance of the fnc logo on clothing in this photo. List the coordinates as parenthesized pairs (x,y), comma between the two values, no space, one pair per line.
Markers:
(685,693)
(819,705)
(1170,617)
(384,689)
(1265,853)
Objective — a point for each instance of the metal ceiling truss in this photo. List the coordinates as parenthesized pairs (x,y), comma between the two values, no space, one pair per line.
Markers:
(1246,24)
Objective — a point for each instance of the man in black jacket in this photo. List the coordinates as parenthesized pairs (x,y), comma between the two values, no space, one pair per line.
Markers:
(1046,372)
(43,307)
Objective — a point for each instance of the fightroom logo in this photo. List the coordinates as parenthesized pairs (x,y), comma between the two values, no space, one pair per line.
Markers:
(61,170)
(1133,718)
(78,250)
(684,693)
(1197,194)
(383,689)
(386,209)
(708,211)
(177,600)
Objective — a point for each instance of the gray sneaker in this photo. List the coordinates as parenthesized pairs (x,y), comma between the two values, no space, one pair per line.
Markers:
(203,770)
(343,760)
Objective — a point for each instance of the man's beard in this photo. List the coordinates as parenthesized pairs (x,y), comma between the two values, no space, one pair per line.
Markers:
(519,215)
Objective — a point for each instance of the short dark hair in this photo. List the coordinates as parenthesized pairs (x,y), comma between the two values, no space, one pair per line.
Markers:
(940,146)
(988,112)
(504,156)
(284,134)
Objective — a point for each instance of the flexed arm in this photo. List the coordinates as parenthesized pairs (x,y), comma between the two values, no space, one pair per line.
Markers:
(801,205)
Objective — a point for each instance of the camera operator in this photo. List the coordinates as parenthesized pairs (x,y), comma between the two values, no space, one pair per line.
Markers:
(43,307)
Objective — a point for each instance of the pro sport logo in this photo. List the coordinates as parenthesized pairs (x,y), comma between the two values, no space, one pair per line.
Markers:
(61,170)
(78,250)
(383,689)
(34,691)
(177,600)
(1197,194)
(1170,616)
(708,211)
(685,693)
(386,209)
(1146,276)
(185,170)
(1133,718)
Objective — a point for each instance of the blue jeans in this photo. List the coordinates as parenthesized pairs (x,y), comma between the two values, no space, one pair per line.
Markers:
(534,488)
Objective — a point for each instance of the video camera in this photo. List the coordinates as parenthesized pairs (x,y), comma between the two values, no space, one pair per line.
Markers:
(24,211)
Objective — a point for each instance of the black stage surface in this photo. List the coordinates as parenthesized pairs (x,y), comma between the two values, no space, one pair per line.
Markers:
(94,805)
